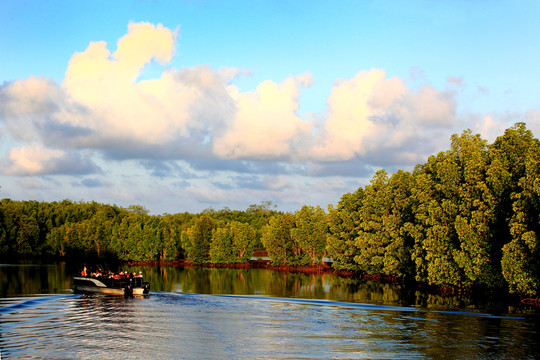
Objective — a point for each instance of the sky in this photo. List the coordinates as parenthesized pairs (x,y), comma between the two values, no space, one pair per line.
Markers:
(189,105)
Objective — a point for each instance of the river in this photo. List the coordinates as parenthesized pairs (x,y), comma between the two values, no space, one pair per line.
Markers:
(203,313)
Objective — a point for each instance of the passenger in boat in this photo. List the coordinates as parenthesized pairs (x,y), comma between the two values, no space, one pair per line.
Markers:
(83,272)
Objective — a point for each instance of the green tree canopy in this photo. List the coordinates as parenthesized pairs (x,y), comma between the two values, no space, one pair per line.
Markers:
(198,239)
(343,222)
(310,234)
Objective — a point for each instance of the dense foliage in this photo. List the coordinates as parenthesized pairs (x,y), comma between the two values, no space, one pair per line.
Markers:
(467,217)
(79,230)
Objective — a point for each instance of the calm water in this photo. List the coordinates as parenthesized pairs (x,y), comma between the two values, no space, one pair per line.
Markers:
(198,313)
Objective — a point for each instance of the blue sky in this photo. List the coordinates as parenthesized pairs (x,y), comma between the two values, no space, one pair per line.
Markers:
(185,105)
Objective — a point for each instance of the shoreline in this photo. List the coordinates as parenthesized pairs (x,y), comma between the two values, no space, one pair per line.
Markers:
(327,269)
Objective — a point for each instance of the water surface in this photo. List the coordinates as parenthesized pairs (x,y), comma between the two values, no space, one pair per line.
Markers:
(245,314)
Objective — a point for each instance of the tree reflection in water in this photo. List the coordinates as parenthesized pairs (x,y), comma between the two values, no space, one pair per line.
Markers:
(273,315)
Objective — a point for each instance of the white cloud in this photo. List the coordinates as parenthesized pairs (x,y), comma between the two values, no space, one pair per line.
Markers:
(266,124)
(27,103)
(493,125)
(36,160)
(370,114)
(103,108)
(96,69)
(122,107)
(489,128)
(101,104)
(348,124)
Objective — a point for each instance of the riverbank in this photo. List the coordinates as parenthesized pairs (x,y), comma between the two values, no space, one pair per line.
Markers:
(326,268)
(250,314)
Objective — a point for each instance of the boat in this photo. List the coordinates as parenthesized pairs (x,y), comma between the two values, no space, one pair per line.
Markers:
(123,284)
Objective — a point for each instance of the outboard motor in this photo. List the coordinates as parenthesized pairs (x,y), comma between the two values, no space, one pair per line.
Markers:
(146,287)
(128,291)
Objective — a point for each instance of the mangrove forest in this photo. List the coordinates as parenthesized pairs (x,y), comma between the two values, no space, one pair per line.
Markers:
(468,217)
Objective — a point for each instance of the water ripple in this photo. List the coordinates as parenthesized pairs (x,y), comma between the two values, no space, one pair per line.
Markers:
(194,326)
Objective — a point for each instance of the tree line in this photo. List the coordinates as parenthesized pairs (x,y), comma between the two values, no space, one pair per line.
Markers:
(78,230)
(468,217)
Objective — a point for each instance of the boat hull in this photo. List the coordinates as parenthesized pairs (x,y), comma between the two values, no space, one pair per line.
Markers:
(110,291)
(110,286)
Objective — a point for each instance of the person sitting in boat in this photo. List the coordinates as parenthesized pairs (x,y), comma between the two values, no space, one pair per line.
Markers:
(83,272)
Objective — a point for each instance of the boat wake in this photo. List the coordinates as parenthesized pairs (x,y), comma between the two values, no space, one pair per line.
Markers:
(17,304)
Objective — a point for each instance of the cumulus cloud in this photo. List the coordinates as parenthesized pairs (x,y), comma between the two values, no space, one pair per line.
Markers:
(198,113)
(102,105)
(27,104)
(266,124)
(370,115)
(489,127)
(348,124)
(36,160)
(199,118)
(493,125)
(147,110)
